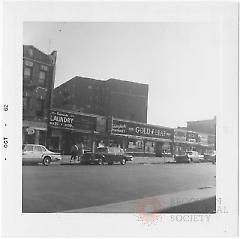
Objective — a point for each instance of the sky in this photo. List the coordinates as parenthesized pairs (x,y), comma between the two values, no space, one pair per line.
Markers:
(178,60)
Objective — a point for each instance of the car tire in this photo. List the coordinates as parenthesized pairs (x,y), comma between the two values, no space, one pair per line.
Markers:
(46,161)
(123,161)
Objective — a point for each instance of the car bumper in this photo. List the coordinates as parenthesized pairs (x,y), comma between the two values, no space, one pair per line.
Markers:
(56,158)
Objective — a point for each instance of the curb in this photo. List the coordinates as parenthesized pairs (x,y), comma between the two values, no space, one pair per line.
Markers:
(156,203)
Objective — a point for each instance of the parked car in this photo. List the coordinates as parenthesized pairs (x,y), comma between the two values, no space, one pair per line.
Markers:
(107,155)
(33,153)
(213,159)
(201,157)
(181,158)
(193,156)
(211,156)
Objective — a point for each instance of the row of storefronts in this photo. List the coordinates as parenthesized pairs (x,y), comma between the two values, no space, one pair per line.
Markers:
(66,128)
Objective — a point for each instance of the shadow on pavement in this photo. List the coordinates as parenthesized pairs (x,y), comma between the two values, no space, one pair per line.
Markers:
(203,206)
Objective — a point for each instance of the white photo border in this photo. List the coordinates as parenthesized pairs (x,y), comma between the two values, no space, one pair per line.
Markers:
(14,222)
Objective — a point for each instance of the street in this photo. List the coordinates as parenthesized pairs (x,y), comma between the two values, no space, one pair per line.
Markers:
(58,188)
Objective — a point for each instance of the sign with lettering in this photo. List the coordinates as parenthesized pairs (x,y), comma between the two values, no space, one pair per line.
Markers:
(136,129)
(192,137)
(30,131)
(68,120)
(180,135)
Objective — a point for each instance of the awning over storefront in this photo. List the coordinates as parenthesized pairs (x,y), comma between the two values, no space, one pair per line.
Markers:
(143,138)
(35,125)
(74,130)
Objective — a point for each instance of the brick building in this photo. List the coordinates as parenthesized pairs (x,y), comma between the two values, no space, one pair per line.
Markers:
(203,126)
(127,100)
(117,98)
(38,83)
(206,130)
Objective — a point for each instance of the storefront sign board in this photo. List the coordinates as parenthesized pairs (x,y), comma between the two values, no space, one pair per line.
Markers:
(131,128)
(67,120)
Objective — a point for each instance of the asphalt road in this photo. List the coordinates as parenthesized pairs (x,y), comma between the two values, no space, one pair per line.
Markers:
(58,188)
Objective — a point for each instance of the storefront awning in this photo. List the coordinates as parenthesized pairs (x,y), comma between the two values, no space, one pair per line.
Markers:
(35,125)
(74,130)
(143,138)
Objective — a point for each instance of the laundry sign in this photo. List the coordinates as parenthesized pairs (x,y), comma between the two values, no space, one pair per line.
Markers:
(70,120)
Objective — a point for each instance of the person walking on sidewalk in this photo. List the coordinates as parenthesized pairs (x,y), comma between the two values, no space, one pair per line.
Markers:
(80,151)
(74,151)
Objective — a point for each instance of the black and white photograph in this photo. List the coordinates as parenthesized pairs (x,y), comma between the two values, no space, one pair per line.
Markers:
(121,116)
(138,122)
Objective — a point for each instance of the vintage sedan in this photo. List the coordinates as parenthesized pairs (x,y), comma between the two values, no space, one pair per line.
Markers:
(108,155)
(33,153)
(181,158)
(210,156)
(193,156)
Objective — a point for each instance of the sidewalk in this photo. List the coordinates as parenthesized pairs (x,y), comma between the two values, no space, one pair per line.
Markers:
(136,160)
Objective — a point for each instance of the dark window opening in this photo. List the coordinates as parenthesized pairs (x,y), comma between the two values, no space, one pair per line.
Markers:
(40,108)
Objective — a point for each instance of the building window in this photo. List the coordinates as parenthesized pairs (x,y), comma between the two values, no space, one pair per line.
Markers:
(29,63)
(40,108)
(44,68)
(30,52)
(42,76)
(27,72)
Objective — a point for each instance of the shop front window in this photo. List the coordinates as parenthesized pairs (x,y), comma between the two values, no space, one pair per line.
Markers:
(135,145)
(150,147)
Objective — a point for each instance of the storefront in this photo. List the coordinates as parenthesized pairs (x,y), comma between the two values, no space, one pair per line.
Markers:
(34,132)
(191,141)
(140,138)
(69,128)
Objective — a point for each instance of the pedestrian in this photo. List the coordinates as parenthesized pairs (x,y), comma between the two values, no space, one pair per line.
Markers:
(101,144)
(74,151)
(80,151)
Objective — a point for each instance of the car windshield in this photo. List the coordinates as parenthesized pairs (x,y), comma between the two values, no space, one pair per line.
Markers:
(43,148)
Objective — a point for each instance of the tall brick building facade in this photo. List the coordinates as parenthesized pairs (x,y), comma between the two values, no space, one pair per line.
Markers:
(127,100)
(117,98)
(203,126)
(38,83)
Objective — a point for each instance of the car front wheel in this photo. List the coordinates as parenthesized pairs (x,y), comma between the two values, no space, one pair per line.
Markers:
(46,161)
